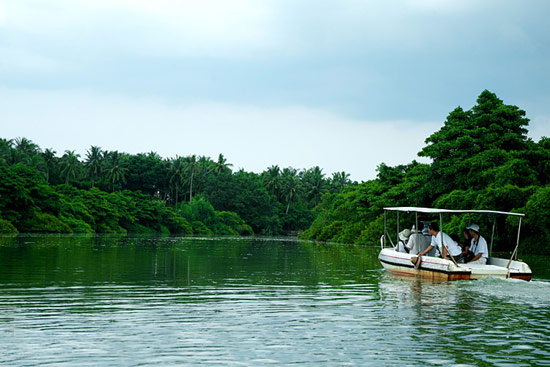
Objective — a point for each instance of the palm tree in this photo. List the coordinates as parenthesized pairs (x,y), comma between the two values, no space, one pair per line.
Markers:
(94,160)
(159,170)
(191,166)
(6,151)
(71,165)
(315,183)
(177,174)
(37,162)
(222,165)
(272,180)
(116,173)
(204,167)
(154,156)
(49,159)
(290,186)
(340,180)
(24,149)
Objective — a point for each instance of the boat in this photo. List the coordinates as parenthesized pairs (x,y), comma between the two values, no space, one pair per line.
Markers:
(438,269)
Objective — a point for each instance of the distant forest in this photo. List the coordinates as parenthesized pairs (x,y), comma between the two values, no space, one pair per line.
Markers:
(114,192)
(480,159)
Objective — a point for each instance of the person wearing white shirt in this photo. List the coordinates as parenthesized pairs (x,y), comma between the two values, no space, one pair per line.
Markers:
(439,239)
(403,239)
(417,241)
(478,246)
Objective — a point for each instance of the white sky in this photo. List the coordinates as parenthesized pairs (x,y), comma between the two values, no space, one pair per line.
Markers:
(344,85)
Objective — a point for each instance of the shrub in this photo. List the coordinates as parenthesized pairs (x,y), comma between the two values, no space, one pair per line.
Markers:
(7,227)
(44,222)
(177,225)
(77,225)
(244,230)
(537,211)
(223,229)
(200,228)
(137,228)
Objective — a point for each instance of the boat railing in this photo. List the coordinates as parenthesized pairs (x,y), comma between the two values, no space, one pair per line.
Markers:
(383,242)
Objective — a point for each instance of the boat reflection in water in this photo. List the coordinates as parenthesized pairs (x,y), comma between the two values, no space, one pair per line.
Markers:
(468,323)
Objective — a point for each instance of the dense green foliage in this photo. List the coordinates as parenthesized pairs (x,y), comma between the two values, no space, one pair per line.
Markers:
(112,192)
(481,159)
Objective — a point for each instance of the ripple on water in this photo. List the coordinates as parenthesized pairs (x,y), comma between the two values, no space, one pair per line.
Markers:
(344,313)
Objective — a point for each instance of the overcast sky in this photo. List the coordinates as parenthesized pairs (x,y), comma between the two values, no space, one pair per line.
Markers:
(344,84)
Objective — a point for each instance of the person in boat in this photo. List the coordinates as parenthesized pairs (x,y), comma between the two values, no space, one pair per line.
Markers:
(457,240)
(403,239)
(417,241)
(468,255)
(478,246)
(467,239)
(464,245)
(442,241)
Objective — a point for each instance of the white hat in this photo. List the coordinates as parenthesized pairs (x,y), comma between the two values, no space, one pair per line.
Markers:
(474,227)
(404,234)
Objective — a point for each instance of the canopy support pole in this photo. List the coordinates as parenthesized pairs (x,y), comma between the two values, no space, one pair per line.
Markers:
(517,242)
(443,241)
(515,253)
(397,227)
(492,236)
(385,231)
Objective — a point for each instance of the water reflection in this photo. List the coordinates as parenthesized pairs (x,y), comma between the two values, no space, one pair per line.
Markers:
(43,260)
(490,321)
(172,301)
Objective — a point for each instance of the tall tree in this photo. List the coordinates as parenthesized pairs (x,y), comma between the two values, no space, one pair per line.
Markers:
(71,165)
(272,180)
(6,151)
(24,149)
(116,172)
(177,175)
(340,180)
(49,159)
(148,173)
(315,184)
(222,166)
(478,140)
(290,186)
(191,167)
(93,163)
(203,169)
(37,162)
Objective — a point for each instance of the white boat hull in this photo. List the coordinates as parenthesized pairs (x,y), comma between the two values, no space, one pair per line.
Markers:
(435,268)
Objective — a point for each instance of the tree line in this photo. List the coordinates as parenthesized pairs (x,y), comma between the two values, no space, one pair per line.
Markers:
(111,191)
(480,159)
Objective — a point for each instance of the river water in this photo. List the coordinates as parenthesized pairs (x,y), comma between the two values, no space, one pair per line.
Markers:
(142,301)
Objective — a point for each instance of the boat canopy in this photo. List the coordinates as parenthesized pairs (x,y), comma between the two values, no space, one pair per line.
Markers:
(409,209)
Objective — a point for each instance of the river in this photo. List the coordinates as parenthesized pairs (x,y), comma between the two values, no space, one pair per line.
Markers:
(150,301)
